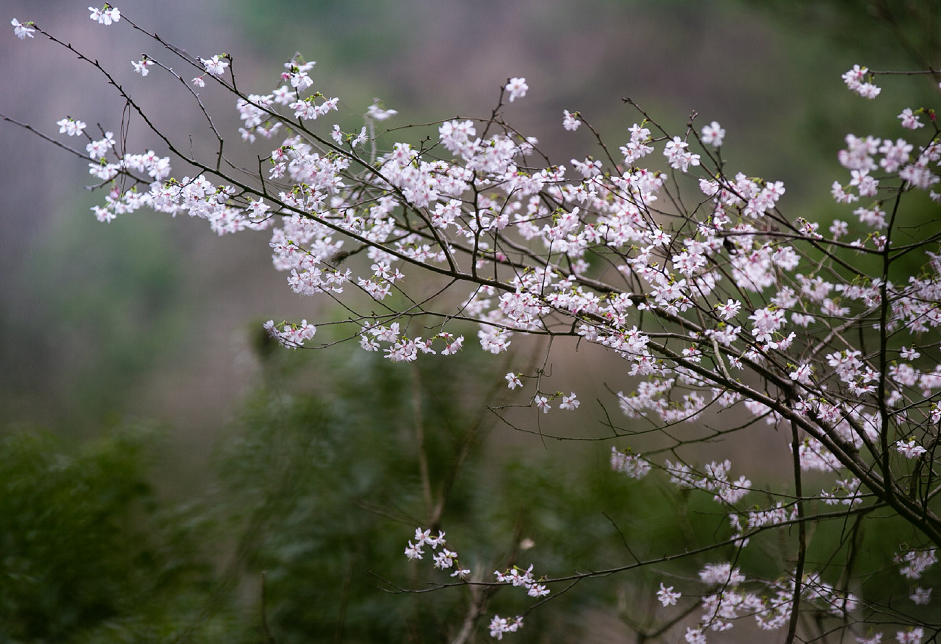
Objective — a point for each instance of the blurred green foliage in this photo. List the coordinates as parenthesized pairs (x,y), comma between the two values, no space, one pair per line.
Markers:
(319,488)
(112,308)
(87,555)
(887,30)
(329,490)
(118,308)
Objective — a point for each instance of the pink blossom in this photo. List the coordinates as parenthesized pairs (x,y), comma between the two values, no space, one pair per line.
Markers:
(570,121)
(854,80)
(911,636)
(632,465)
(517,88)
(22,30)
(542,403)
(215,65)
(910,449)
(678,156)
(920,596)
(667,596)
(910,119)
(501,625)
(713,134)
(106,15)
(70,126)
(377,113)
(141,66)
(569,402)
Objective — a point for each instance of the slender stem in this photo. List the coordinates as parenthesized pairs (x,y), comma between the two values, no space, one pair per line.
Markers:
(419,426)
(801,536)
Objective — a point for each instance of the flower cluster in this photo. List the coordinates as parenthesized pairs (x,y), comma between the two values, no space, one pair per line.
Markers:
(914,563)
(771,609)
(855,80)
(70,126)
(714,479)
(501,625)
(290,335)
(516,576)
(448,559)
(631,464)
(106,15)
(667,596)
(444,560)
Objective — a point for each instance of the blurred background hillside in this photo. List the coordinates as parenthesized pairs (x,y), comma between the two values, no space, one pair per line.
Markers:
(154,324)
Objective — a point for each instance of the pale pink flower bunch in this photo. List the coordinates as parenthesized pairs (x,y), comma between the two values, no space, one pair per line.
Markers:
(772,516)
(516,576)
(914,563)
(920,596)
(516,88)
(215,65)
(910,119)
(22,30)
(911,636)
(443,560)
(570,120)
(142,66)
(814,456)
(845,492)
(770,607)
(631,464)
(909,449)
(71,126)
(106,15)
(678,155)
(855,80)
(378,113)
(448,560)
(667,596)
(499,626)
(715,478)
(639,145)
(289,335)
(713,134)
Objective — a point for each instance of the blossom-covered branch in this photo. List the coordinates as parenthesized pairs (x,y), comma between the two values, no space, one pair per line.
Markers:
(713,297)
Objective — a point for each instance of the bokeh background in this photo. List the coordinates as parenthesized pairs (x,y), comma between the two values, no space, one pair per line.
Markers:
(133,349)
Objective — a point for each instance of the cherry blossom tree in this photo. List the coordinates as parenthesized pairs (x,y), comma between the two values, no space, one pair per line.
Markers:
(719,304)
